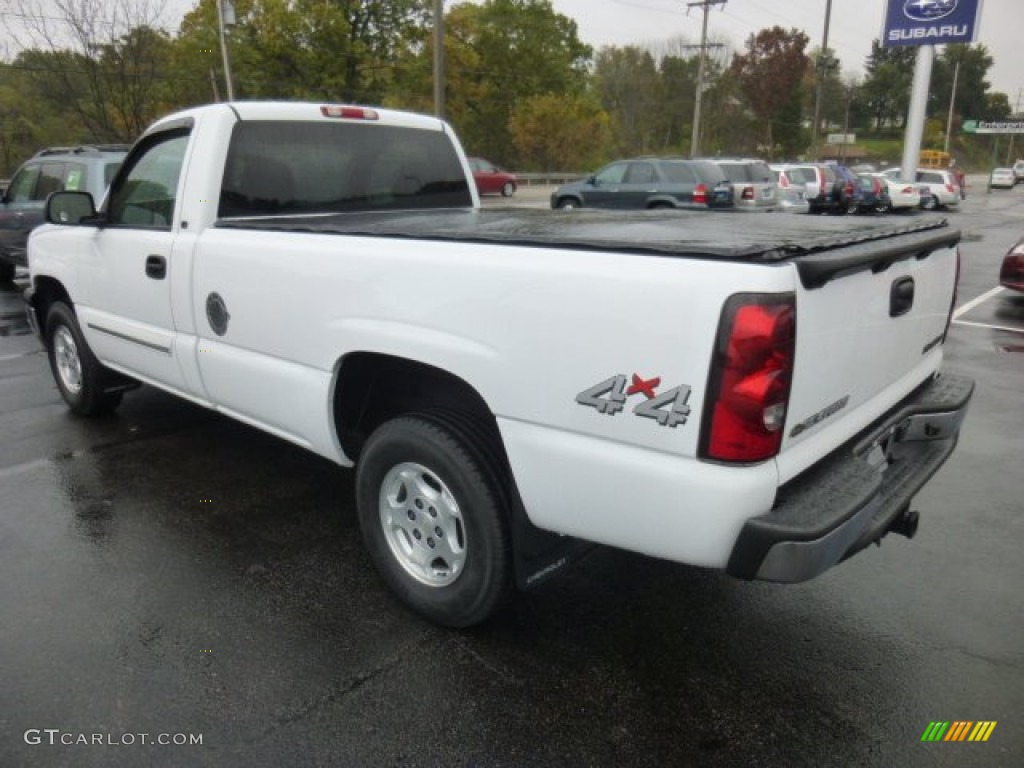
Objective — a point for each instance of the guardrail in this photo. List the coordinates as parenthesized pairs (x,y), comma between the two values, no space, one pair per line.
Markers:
(548,179)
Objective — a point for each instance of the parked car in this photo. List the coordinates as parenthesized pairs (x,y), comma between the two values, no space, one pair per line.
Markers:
(492,180)
(1018,171)
(753,184)
(902,194)
(939,188)
(85,168)
(1011,273)
(846,190)
(874,195)
(812,180)
(649,182)
(1003,178)
(792,197)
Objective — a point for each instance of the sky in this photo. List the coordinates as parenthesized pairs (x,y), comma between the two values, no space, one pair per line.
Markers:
(854,24)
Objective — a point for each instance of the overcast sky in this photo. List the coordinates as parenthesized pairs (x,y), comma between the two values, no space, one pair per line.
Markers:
(855,23)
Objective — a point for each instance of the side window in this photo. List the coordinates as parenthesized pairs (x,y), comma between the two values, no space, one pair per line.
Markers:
(75,176)
(109,172)
(146,191)
(640,173)
(611,174)
(24,185)
(51,179)
(679,173)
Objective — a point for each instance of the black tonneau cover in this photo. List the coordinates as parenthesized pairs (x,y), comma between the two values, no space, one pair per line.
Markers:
(821,247)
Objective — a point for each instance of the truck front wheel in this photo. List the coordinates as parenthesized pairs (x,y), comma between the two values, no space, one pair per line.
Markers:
(79,375)
(433,519)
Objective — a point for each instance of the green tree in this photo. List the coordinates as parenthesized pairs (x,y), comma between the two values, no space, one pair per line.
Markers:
(769,76)
(889,74)
(628,83)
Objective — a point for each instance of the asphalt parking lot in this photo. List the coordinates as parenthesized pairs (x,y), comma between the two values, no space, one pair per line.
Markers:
(168,574)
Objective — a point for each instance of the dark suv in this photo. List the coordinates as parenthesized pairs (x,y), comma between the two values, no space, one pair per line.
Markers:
(86,168)
(649,182)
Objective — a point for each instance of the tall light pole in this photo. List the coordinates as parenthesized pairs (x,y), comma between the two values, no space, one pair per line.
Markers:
(439,58)
(695,137)
(821,68)
(226,18)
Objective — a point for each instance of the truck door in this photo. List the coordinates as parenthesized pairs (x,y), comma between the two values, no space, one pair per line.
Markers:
(124,306)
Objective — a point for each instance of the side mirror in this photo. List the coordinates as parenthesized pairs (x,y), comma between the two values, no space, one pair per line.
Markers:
(592,181)
(70,208)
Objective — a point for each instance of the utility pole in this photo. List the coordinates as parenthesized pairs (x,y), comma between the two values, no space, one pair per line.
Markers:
(1016,111)
(226,18)
(952,101)
(821,67)
(705,5)
(439,58)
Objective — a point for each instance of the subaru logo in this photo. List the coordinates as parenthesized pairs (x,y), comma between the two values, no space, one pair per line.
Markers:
(928,10)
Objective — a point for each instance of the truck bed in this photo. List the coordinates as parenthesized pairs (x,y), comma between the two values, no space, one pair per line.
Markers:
(825,246)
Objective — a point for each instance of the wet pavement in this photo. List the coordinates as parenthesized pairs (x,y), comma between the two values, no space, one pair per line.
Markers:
(167,574)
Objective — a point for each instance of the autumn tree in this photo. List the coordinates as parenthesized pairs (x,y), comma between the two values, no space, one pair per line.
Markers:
(769,76)
(555,132)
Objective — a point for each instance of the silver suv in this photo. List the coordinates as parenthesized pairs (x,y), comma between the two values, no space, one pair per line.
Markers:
(753,183)
(86,168)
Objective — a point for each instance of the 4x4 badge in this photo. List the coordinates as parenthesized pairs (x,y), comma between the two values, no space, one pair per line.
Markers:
(669,409)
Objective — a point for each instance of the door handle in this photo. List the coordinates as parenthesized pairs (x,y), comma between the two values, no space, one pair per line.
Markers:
(901,296)
(156,267)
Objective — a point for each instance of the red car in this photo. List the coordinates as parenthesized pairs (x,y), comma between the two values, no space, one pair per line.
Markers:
(490,179)
(1011,275)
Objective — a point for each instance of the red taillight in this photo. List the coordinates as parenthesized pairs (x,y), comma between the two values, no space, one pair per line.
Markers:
(751,373)
(951,189)
(748,193)
(700,193)
(909,191)
(849,189)
(351,113)
(876,186)
(783,181)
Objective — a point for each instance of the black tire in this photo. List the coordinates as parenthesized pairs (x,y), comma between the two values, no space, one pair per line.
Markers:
(7,271)
(930,203)
(419,463)
(660,207)
(80,377)
(852,207)
(508,189)
(568,204)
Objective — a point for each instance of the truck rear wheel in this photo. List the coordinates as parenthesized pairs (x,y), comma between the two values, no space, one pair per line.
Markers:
(79,375)
(433,518)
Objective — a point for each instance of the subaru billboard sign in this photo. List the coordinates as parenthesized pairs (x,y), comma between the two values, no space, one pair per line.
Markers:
(930,22)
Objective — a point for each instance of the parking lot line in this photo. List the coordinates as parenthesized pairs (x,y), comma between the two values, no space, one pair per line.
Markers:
(991,327)
(963,310)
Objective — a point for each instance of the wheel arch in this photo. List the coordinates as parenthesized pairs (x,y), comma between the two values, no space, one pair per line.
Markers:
(371,388)
(46,291)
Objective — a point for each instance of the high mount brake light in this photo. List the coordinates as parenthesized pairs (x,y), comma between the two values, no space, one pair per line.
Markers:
(750,378)
(351,113)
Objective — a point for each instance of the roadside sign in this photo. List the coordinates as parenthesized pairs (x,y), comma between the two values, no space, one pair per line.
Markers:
(841,138)
(993,126)
(930,22)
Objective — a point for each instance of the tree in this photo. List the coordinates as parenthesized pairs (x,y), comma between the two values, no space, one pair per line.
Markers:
(887,83)
(101,61)
(769,76)
(627,82)
(554,132)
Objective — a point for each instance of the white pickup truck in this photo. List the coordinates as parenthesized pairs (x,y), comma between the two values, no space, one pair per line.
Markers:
(759,394)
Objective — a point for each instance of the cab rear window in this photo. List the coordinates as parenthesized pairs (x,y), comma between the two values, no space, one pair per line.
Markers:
(279,167)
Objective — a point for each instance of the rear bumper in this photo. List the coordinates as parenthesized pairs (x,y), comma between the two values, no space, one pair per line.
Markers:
(859,493)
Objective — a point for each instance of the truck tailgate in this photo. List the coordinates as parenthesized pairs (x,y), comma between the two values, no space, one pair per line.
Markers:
(871,318)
